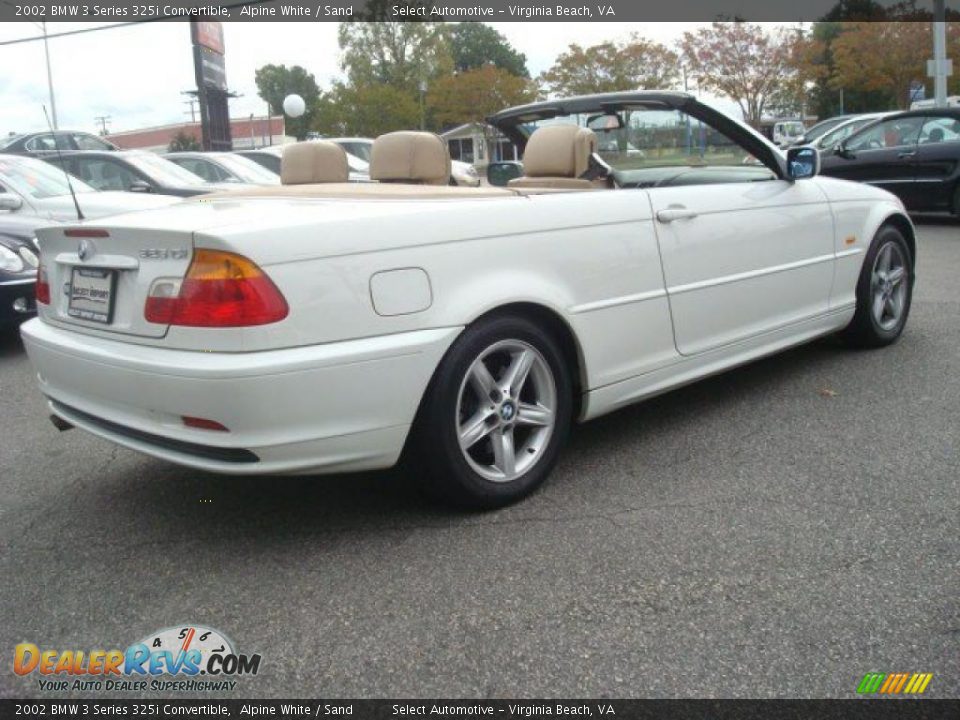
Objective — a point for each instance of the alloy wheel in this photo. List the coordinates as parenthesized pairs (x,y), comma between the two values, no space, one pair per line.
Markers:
(506,410)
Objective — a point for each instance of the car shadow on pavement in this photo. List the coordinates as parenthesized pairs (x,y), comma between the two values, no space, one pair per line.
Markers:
(143,492)
(10,342)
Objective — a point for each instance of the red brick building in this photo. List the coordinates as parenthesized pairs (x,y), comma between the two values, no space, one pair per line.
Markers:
(246,132)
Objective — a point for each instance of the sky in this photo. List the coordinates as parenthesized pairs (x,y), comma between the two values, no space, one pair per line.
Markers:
(136,74)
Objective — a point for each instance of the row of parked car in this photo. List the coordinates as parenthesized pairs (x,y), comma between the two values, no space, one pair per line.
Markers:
(103,166)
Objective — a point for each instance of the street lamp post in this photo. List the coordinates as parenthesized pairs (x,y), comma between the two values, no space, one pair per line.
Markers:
(423,113)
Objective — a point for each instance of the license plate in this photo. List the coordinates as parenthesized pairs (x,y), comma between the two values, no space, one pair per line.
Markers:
(91,294)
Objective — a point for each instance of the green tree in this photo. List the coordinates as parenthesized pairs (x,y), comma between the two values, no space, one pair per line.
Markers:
(366,110)
(183,142)
(275,82)
(473,95)
(401,54)
(608,67)
(474,44)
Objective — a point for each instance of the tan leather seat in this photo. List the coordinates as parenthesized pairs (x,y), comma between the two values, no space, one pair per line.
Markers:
(556,156)
(306,163)
(420,158)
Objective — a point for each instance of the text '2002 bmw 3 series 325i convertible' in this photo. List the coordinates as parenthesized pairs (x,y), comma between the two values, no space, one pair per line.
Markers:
(325,326)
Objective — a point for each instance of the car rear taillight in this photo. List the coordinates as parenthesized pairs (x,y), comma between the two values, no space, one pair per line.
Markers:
(220,289)
(43,286)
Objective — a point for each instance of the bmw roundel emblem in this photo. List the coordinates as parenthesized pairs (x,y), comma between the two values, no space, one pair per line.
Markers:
(84,250)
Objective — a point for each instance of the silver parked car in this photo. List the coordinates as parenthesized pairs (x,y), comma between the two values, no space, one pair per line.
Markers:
(224,167)
(31,187)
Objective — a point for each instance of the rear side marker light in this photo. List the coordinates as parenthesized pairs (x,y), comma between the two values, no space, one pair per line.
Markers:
(203,424)
(220,289)
(43,286)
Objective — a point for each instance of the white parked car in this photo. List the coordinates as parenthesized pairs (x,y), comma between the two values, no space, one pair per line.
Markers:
(461,173)
(31,187)
(327,326)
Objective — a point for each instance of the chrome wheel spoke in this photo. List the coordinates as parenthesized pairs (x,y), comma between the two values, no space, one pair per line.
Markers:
(482,380)
(895,304)
(504,455)
(517,373)
(475,429)
(895,276)
(883,261)
(879,302)
(536,415)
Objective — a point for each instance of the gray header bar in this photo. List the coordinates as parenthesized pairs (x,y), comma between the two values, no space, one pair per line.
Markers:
(124,11)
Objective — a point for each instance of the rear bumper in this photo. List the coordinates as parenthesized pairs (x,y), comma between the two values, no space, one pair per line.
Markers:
(327,408)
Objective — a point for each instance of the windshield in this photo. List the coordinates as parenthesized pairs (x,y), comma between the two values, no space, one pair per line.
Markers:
(651,138)
(163,171)
(792,129)
(38,180)
(823,127)
(248,170)
(833,138)
(8,141)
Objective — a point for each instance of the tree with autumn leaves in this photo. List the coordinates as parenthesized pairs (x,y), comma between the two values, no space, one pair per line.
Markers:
(872,63)
(636,64)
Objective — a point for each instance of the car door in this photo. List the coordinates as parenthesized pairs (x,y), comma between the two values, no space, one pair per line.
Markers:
(938,164)
(882,154)
(743,252)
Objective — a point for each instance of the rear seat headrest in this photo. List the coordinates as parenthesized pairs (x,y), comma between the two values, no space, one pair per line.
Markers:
(318,161)
(410,157)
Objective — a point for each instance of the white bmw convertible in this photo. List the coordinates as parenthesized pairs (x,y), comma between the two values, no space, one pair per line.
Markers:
(325,326)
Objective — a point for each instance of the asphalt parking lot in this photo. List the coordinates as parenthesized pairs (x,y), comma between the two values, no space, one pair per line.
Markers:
(777,531)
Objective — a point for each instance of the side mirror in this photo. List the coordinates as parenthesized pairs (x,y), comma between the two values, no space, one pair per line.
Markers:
(500,173)
(802,162)
(140,186)
(10,202)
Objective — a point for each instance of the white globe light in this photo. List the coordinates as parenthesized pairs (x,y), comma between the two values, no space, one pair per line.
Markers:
(294,106)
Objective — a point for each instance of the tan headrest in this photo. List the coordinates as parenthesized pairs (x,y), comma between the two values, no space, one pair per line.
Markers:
(306,163)
(559,151)
(410,157)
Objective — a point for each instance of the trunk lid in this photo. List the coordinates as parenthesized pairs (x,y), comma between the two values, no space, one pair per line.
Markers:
(100,276)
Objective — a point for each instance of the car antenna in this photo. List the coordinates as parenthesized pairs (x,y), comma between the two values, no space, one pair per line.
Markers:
(56,145)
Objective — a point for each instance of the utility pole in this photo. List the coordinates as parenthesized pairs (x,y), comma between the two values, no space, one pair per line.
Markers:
(940,67)
(192,102)
(103,121)
(53,102)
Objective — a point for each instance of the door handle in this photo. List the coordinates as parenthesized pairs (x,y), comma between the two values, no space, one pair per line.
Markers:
(675,212)
(908,154)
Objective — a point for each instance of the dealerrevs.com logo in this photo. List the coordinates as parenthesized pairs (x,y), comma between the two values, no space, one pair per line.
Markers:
(185,658)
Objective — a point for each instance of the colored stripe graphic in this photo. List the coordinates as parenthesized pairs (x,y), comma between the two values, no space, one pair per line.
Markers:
(870,683)
(894,683)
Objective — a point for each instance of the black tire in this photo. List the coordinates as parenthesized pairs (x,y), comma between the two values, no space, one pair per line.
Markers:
(439,465)
(866,330)
(956,200)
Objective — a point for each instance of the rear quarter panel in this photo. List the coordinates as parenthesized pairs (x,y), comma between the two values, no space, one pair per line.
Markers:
(591,258)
